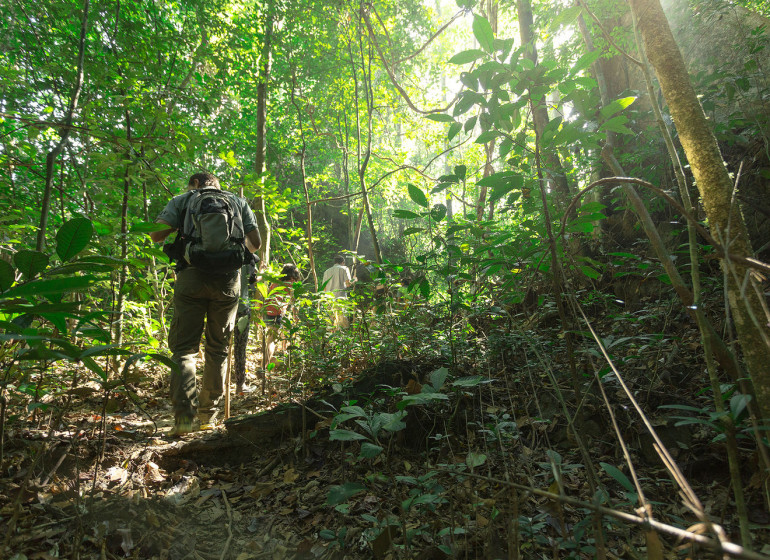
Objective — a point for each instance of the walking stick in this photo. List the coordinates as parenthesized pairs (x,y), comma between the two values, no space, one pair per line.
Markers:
(227,378)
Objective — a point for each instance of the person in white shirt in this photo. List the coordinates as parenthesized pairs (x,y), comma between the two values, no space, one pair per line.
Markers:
(337,280)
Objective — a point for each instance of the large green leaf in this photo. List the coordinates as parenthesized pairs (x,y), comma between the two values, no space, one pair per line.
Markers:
(345,435)
(339,494)
(30,263)
(467,100)
(487,136)
(454,129)
(7,275)
(439,117)
(465,57)
(53,286)
(438,212)
(615,106)
(482,30)
(73,237)
(616,124)
(405,214)
(417,195)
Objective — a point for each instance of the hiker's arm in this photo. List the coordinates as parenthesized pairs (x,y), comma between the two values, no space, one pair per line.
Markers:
(160,235)
(253,240)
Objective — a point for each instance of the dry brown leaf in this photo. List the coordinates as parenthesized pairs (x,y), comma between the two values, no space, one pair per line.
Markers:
(290,476)
(262,489)
(413,387)
(152,473)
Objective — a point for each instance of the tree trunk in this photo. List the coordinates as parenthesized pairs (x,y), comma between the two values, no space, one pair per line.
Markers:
(259,161)
(50,160)
(553,167)
(715,187)
(364,161)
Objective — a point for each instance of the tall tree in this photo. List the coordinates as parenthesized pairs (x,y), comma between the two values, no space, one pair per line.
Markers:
(716,190)
(64,133)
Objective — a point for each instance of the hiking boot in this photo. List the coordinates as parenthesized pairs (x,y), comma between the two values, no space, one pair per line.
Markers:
(181,427)
(207,419)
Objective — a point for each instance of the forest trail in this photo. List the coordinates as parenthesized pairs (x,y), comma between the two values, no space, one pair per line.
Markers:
(227,493)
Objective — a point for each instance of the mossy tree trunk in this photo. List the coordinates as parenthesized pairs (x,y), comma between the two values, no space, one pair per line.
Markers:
(715,187)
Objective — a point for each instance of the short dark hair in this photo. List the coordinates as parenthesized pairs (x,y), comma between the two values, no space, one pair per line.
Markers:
(339,259)
(204,179)
(290,272)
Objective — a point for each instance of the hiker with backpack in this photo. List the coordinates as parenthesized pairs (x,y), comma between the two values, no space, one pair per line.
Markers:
(217,235)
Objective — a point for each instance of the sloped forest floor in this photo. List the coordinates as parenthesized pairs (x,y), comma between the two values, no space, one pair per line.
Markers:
(439,483)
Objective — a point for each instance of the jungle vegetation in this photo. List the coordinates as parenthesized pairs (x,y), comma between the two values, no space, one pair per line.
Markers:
(563,208)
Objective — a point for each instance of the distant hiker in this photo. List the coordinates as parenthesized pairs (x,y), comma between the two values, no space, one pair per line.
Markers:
(217,236)
(277,307)
(337,280)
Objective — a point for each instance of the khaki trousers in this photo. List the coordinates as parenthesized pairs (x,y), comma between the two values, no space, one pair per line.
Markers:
(201,298)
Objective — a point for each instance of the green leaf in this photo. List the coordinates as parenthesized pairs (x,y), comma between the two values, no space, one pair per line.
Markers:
(738,404)
(73,237)
(345,435)
(467,100)
(405,214)
(465,57)
(438,212)
(438,378)
(590,272)
(615,473)
(7,275)
(472,381)
(54,286)
(615,106)
(440,117)
(485,137)
(568,134)
(503,187)
(411,230)
(482,30)
(339,494)
(473,459)
(460,171)
(417,195)
(327,534)
(454,130)
(585,61)
(369,450)
(616,124)
(440,187)
(30,263)
(425,288)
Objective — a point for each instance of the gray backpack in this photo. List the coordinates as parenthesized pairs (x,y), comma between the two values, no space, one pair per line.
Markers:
(213,232)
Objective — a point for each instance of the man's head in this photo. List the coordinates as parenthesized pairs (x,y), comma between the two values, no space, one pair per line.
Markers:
(202,180)
(339,259)
(290,272)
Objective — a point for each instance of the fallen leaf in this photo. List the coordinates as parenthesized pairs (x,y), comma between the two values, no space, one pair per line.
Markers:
(290,476)
(262,489)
